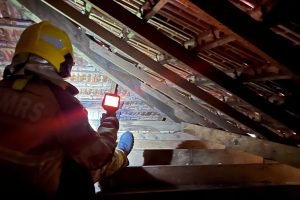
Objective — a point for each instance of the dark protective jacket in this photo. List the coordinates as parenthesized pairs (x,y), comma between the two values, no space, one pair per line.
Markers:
(39,125)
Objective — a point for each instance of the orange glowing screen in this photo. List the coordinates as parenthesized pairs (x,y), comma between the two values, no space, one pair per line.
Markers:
(111,101)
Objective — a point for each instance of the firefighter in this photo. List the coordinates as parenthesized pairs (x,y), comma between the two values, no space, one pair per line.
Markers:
(47,147)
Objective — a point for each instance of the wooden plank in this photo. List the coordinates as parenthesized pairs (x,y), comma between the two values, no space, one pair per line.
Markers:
(150,126)
(267,149)
(216,43)
(248,192)
(155,9)
(176,144)
(163,135)
(225,175)
(191,157)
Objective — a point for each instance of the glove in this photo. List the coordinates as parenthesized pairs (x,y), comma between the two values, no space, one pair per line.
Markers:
(109,122)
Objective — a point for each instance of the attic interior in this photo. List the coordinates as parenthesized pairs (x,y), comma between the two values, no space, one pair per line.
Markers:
(210,89)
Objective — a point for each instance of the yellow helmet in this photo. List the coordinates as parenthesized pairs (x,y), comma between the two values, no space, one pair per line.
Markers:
(49,42)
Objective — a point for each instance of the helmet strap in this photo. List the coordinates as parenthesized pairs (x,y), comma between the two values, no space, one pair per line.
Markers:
(66,67)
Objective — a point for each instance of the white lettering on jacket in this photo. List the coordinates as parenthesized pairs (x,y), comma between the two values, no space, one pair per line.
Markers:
(19,106)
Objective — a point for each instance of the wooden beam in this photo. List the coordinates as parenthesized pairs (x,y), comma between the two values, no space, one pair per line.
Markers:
(155,9)
(191,157)
(176,144)
(249,192)
(269,77)
(267,149)
(162,135)
(143,127)
(226,175)
(216,43)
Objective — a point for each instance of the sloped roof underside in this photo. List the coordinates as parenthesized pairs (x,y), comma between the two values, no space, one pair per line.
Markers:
(220,64)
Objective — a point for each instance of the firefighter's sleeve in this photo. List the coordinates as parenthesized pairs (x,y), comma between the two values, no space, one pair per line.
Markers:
(87,146)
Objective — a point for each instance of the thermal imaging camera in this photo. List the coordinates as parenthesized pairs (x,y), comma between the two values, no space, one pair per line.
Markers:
(111,102)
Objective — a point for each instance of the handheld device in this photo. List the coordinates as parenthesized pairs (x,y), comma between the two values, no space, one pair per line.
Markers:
(111,103)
